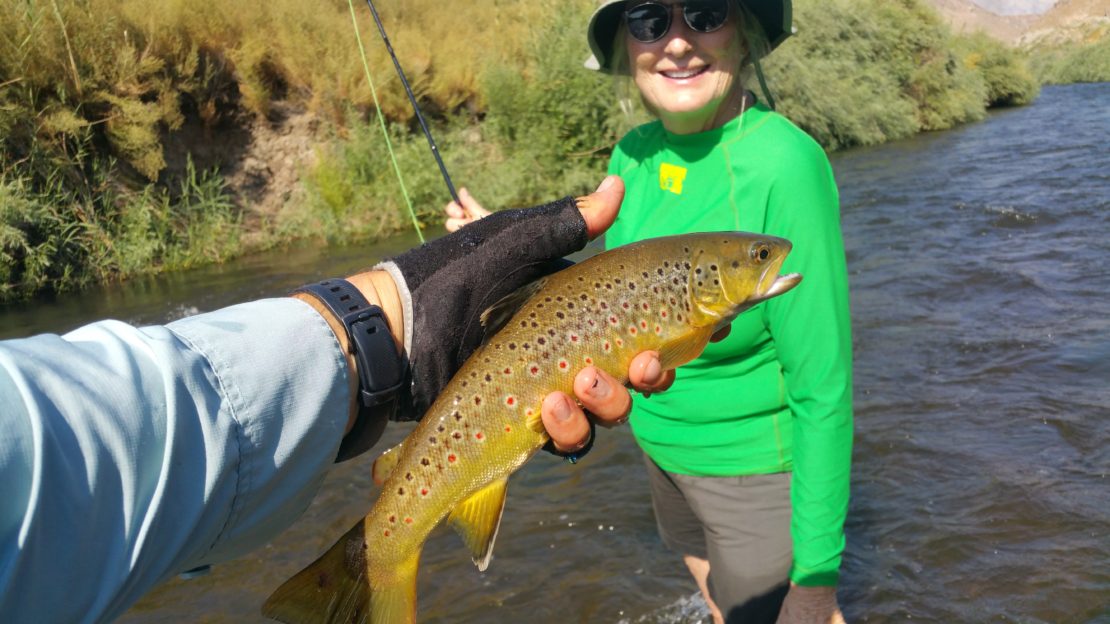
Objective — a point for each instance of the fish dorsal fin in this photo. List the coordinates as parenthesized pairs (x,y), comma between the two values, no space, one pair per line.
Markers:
(384,465)
(678,351)
(478,518)
(497,315)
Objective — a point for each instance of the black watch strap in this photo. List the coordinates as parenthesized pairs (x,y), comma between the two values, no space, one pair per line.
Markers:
(382,371)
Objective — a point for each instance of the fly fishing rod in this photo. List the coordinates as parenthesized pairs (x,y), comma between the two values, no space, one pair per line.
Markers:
(415,106)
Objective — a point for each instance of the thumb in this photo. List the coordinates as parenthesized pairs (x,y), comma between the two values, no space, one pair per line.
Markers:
(599,209)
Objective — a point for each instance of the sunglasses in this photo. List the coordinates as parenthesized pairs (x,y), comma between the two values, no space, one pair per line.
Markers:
(649,21)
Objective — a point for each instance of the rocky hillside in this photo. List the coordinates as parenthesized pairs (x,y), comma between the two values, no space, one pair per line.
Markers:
(1066,20)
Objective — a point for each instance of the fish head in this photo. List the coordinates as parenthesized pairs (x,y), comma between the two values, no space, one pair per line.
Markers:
(733,271)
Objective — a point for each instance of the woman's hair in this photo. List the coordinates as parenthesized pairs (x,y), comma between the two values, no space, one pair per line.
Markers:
(752,40)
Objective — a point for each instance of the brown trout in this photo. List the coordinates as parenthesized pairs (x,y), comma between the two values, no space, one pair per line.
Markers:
(665,294)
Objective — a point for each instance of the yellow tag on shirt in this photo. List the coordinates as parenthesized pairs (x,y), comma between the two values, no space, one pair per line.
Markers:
(671,177)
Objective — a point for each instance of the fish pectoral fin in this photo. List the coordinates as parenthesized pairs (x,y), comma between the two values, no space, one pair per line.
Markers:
(384,465)
(395,602)
(497,315)
(478,518)
(332,589)
(679,351)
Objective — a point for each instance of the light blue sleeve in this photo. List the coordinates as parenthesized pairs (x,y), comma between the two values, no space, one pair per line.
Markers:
(128,455)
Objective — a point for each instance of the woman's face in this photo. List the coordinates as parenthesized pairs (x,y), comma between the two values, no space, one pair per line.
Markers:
(687,78)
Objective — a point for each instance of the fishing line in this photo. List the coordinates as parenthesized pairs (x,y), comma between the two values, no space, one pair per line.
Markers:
(381,117)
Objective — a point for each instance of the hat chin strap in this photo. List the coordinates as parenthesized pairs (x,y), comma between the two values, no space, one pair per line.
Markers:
(763,83)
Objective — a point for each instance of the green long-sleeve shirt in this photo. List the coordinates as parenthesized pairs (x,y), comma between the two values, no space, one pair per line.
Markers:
(776,395)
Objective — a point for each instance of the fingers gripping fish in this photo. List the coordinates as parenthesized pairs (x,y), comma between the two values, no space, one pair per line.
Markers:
(665,294)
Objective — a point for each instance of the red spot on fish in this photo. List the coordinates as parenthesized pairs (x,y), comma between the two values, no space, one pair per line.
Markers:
(563,364)
(620,342)
(508,429)
(606,346)
(423,491)
(632,329)
(510,401)
(451,458)
(625,305)
(479,436)
(658,329)
(613,320)
(644,305)
(589,360)
(643,324)
(591,322)
(574,337)
(663,314)
(535,370)
(408,520)
(507,371)
(386,533)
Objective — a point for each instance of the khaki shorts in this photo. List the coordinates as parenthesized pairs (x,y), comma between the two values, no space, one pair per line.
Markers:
(741,525)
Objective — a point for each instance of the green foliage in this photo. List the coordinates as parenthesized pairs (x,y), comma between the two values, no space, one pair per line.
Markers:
(53,237)
(1006,74)
(1084,61)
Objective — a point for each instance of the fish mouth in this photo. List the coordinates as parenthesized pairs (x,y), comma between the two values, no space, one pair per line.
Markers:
(771,284)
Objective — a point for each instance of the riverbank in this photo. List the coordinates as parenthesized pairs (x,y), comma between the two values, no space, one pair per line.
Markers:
(142,137)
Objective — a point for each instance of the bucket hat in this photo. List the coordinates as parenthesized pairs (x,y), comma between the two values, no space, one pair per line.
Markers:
(774,16)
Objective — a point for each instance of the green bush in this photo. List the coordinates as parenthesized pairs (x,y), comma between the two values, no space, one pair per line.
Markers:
(1087,61)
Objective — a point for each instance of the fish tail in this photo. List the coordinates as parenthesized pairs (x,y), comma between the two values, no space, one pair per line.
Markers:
(333,589)
(396,603)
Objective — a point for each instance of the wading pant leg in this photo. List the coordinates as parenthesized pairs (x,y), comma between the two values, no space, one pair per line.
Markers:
(745,526)
(747,534)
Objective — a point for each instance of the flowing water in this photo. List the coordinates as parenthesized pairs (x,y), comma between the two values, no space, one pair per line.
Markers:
(980,272)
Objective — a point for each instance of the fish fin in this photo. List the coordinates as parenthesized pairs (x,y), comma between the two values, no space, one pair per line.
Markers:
(534,421)
(478,518)
(384,464)
(497,315)
(396,602)
(677,352)
(334,588)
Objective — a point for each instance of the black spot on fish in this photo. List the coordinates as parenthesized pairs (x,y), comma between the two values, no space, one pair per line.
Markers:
(697,271)
(488,377)
(408,476)
(512,346)
(583,297)
(560,315)
(541,340)
(712,267)
(659,271)
(735,264)
(432,439)
(401,491)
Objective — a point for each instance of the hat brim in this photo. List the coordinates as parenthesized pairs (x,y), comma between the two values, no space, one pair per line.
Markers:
(774,16)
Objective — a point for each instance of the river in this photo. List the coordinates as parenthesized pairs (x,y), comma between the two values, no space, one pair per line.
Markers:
(980,276)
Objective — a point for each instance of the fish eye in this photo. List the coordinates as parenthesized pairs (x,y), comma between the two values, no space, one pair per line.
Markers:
(760,253)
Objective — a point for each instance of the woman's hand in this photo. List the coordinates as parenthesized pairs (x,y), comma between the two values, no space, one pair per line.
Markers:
(459,215)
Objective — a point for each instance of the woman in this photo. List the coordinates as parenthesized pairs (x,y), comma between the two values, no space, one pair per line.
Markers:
(749,458)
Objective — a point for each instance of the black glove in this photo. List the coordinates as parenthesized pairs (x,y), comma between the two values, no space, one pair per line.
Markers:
(451,281)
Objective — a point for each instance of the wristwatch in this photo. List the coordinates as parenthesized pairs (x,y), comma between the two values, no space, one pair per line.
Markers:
(382,372)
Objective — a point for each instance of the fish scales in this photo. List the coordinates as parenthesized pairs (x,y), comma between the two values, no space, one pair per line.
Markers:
(667,295)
